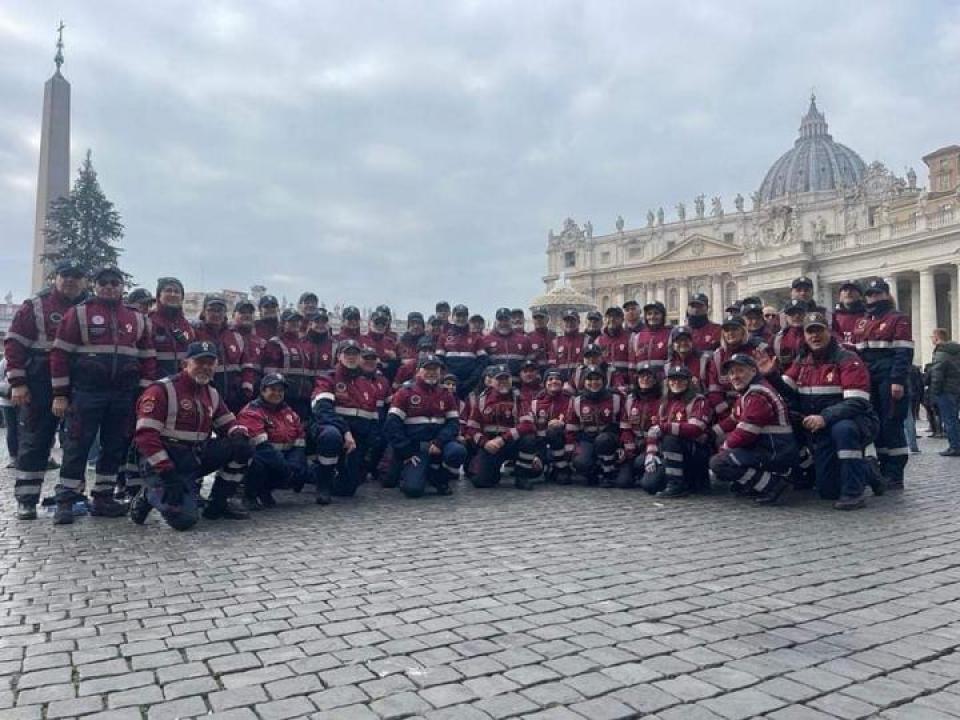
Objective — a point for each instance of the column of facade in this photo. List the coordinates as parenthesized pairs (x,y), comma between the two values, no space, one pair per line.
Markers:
(892,282)
(922,330)
(954,314)
(716,298)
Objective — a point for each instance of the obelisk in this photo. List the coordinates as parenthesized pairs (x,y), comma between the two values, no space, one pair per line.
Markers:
(53,180)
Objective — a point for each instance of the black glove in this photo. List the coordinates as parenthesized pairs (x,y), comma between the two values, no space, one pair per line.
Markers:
(172,488)
(240,449)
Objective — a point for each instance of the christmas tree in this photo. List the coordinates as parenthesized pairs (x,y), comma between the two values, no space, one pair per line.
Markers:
(84,227)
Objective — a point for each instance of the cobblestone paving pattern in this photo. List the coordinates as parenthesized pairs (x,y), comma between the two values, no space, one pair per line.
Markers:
(558,604)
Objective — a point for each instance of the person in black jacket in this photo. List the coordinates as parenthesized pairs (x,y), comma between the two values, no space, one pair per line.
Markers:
(945,387)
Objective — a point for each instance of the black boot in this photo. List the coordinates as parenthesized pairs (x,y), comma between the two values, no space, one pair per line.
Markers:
(64,513)
(106,506)
(674,489)
(140,507)
(225,509)
(26,510)
(251,504)
(266,498)
(850,503)
(875,478)
(522,483)
(778,485)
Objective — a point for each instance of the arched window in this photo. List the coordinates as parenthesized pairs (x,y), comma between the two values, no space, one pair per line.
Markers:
(672,302)
(604,302)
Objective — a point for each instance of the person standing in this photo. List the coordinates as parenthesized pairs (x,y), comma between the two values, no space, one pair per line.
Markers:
(945,388)
(884,339)
(100,360)
(706,334)
(26,350)
(268,324)
(171,332)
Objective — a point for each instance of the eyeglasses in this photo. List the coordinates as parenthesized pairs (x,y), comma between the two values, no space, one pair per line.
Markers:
(770,316)
(114,282)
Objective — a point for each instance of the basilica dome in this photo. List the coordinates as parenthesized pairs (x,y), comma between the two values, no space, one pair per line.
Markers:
(815,163)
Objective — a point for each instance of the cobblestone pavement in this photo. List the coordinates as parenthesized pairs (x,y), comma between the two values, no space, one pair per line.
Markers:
(560,603)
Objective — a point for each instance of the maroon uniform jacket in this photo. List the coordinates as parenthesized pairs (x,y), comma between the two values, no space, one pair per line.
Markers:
(252,360)
(171,333)
(591,416)
(497,414)
(509,349)
(290,355)
(528,391)
(787,344)
(348,333)
(232,357)
(698,363)
(541,341)
(545,407)
(384,345)
(319,349)
(706,337)
(640,413)
(346,397)
(684,417)
(616,352)
(266,328)
(759,415)
(280,425)
(650,345)
(720,392)
(407,346)
(567,353)
(179,410)
(845,321)
(102,346)
(31,336)
(384,391)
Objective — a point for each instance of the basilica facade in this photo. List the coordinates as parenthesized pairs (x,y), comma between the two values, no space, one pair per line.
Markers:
(820,211)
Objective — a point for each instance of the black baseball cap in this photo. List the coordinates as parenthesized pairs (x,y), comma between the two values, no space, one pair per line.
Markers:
(201,349)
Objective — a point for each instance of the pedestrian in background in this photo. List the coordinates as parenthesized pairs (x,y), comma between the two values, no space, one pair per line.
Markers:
(945,387)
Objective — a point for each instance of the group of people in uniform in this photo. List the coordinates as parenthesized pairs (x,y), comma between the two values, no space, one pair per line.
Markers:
(266,399)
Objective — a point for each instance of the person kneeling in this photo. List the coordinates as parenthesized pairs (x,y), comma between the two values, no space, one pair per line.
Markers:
(276,434)
(175,417)
(500,434)
(593,425)
(678,438)
(422,427)
(759,447)
(830,388)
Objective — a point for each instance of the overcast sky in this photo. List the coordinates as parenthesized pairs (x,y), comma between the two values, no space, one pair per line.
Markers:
(403,152)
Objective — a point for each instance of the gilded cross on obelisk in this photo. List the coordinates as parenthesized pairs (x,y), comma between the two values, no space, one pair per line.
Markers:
(58,58)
